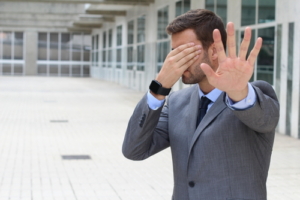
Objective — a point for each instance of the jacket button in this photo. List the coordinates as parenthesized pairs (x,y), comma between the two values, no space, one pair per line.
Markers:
(191,183)
(141,124)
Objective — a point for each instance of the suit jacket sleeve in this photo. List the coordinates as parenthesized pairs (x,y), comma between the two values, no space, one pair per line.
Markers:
(264,115)
(147,132)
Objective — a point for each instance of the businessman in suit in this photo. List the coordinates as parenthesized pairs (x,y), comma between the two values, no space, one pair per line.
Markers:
(220,130)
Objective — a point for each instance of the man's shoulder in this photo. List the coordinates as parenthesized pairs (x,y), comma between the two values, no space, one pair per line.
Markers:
(185,91)
(265,88)
(261,83)
(182,97)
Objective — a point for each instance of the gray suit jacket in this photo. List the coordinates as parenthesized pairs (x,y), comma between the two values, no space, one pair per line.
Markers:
(226,158)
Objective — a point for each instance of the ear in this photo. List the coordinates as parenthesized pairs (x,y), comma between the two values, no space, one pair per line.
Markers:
(213,52)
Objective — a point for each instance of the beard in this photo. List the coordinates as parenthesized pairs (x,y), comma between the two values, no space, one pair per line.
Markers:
(194,73)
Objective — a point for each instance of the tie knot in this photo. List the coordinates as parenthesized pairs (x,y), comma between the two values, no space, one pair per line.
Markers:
(204,102)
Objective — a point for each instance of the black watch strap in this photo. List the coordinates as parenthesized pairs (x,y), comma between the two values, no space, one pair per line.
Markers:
(157,88)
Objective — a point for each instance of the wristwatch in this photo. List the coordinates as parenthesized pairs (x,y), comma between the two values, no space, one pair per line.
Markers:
(157,88)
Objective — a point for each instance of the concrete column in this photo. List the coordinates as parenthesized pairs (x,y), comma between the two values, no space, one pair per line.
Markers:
(234,12)
(196,4)
(283,88)
(31,47)
(151,37)
(295,92)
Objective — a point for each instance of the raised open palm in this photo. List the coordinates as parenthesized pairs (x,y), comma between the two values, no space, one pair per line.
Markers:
(234,71)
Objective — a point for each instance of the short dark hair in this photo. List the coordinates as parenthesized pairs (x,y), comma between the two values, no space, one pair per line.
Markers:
(203,22)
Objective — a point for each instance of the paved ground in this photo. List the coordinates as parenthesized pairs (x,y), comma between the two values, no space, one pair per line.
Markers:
(42,119)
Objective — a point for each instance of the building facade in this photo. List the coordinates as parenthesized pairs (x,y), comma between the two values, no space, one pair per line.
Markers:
(126,42)
(35,39)
(132,49)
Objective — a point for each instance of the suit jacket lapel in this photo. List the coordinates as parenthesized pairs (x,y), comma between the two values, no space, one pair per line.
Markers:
(193,113)
(212,113)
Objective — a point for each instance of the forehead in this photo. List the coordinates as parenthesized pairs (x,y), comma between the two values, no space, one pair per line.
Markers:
(184,37)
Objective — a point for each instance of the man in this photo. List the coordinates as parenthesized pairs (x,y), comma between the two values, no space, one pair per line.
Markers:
(226,154)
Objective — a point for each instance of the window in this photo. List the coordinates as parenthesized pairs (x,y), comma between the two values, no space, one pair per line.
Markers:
(12,45)
(163,43)
(103,58)
(7,45)
(141,57)
(130,34)
(1,42)
(265,9)
(119,35)
(130,45)
(104,49)
(95,53)
(141,31)
(248,12)
(110,38)
(251,45)
(53,70)
(119,47)
(93,49)
(76,70)
(130,63)
(7,68)
(65,46)
(162,22)
(57,51)
(86,70)
(104,40)
(253,13)
(219,7)
(109,51)
(265,60)
(42,46)
(18,69)
(182,6)
(42,69)
(18,46)
(163,49)
(109,58)
(11,53)
(76,46)
(86,47)
(54,46)
(65,70)
(119,58)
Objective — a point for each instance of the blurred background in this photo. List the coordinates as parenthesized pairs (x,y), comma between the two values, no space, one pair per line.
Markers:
(62,56)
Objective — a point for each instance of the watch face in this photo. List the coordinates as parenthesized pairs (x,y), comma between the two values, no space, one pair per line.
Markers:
(154,86)
(157,88)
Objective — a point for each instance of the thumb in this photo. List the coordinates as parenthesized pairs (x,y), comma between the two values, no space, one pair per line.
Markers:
(208,71)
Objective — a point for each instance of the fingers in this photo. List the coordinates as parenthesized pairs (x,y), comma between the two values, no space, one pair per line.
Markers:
(219,45)
(188,57)
(253,55)
(183,51)
(188,61)
(191,46)
(231,46)
(245,44)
